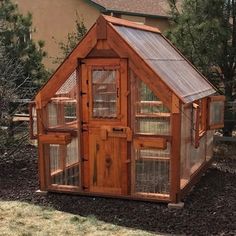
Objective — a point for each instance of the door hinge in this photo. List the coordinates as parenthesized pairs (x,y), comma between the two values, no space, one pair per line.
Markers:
(83,159)
(86,81)
(87,104)
(84,130)
(80,62)
(84,123)
(82,93)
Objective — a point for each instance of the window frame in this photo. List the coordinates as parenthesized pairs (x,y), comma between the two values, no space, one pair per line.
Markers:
(199,120)
(116,68)
(33,135)
(219,98)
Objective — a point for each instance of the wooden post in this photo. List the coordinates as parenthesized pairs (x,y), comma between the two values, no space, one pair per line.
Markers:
(41,160)
(175,150)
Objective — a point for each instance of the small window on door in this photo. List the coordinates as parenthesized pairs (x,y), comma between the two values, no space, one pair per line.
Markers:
(105,93)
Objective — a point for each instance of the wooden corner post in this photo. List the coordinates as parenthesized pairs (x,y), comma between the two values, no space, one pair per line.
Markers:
(41,159)
(175,150)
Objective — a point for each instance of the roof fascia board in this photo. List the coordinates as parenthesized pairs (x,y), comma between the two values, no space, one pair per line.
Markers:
(96,5)
(136,14)
(126,23)
(108,10)
(67,66)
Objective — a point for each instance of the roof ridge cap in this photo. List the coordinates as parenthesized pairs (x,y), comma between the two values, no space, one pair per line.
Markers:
(123,22)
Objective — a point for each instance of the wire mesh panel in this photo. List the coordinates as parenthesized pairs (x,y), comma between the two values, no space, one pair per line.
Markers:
(151,116)
(61,117)
(150,163)
(152,171)
(64,163)
(61,110)
(104,93)
(191,157)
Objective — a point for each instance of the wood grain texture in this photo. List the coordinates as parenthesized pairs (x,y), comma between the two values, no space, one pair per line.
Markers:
(67,67)
(175,152)
(139,66)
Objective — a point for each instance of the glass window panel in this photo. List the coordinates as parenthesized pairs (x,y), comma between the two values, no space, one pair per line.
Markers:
(152,117)
(61,110)
(64,163)
(104,93)
(216,112)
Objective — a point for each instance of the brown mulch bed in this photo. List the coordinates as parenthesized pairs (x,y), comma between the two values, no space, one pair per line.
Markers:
(210,208)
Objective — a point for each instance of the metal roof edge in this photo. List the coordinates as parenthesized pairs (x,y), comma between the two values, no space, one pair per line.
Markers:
(110,10)
(96,5)
(137,14)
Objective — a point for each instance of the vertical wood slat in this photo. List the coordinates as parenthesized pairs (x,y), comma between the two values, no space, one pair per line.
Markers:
(175,150)
(124,112)
(41,158)
(133,92)
(79,119)
(85,172)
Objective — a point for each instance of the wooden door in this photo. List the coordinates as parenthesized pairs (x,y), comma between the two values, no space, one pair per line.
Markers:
(105,131)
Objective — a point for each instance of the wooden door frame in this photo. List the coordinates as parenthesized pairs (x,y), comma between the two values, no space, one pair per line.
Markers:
(86,120)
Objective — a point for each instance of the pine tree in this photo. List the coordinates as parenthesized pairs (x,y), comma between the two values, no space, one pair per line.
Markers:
(205,31)
(16,39)
(72,40)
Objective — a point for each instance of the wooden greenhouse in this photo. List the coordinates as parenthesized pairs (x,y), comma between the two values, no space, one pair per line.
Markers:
(125,115)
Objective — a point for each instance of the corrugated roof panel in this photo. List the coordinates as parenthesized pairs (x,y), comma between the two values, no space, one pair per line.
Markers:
(173,69)
(183,79)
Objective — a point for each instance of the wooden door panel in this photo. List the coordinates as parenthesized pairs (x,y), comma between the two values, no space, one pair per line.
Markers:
(106,163)
(105,135)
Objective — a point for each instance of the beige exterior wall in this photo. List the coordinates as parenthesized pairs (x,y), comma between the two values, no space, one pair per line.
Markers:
(54,19)
(138,19)
(161,23)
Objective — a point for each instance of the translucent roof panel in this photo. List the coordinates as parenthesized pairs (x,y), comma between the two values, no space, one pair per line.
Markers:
(172,68)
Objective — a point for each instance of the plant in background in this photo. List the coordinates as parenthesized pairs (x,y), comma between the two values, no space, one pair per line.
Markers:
(205,31)
(10,91)
(72,39)
(16,39)
(21,72)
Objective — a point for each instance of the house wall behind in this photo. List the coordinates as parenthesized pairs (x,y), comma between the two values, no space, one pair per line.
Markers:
(161,23)
(54,19)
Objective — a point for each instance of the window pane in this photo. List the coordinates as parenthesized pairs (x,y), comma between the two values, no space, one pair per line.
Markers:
(152,117)
(61,110)
(216,112)
(104,92)
(64,163)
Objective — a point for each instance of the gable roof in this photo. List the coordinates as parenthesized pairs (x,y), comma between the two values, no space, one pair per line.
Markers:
(157,60)
(155,8)
(168,63)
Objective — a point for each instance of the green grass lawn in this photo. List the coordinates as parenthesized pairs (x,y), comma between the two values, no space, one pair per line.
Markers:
(19,218)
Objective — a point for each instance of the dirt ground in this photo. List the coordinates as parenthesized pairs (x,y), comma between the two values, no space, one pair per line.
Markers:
(210,208)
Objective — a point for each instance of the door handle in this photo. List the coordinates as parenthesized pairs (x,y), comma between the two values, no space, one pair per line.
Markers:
(115,129)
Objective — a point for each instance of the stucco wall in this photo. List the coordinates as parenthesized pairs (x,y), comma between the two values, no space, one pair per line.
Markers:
(161,23)
(54,19)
